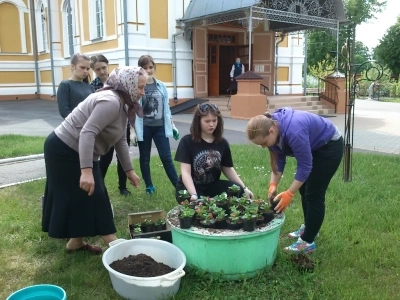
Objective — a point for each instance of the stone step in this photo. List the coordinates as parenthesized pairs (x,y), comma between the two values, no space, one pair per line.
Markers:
(293,104)
(299,106)
(310,104)
(291,100)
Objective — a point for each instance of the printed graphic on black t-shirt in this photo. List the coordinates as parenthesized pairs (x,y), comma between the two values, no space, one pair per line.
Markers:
(152,102)
(205,164)
(206,159)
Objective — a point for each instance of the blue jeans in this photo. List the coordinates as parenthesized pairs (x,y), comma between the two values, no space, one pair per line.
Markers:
(156,133)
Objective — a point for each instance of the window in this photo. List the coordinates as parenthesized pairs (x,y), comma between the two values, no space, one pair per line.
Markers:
(97,19)
(43,27)
(68,24)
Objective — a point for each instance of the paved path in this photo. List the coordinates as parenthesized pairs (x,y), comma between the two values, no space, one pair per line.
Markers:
(376,129)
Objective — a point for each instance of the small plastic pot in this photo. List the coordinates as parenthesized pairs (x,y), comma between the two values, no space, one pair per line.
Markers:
(221,224)
(147,228)
(249,225)
(268,216)
(234,226)
(224,206)
(185,223)
(160,227)
(260,220)
(233,194)
(210,225)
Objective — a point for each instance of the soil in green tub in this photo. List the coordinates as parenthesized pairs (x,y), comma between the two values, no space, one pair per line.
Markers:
(140,265)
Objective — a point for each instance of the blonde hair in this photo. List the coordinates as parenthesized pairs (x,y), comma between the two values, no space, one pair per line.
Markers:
(259,126)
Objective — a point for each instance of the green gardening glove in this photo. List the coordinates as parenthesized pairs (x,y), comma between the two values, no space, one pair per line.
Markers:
(175,132)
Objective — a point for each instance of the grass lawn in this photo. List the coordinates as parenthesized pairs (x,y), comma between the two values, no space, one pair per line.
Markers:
(396,100)
(14,145)
(357,251)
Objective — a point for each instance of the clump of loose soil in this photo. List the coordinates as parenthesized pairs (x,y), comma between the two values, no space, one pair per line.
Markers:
(140,265)
(303,262)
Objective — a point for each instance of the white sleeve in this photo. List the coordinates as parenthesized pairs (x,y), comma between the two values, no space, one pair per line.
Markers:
(232,71)
(242,68)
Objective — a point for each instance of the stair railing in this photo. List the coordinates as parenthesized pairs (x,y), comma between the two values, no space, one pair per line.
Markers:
(328,91)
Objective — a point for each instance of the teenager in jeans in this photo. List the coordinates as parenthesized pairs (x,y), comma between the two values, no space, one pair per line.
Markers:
(317,146)
(156,125)
(99,64)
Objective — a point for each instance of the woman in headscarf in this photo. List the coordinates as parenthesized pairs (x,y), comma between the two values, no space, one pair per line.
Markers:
(76,204)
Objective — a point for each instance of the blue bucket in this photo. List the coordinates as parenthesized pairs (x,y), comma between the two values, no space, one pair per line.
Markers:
(39,292)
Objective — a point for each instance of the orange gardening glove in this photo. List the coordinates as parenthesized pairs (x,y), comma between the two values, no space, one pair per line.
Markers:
(271,191)
(285,199)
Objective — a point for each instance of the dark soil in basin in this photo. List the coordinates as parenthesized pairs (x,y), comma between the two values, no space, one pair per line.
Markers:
(140,265)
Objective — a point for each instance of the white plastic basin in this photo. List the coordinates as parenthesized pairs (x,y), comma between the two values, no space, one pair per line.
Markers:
(145,288)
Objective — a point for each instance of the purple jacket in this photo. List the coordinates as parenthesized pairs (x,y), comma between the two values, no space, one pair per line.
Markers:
(301,133)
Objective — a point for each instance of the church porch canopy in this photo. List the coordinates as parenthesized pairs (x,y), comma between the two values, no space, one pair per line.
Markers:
(282,15)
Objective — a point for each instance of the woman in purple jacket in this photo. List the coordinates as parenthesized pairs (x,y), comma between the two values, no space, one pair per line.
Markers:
(317,145)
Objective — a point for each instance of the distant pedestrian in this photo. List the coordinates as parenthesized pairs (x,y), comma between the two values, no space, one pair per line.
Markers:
(237,70)
(372,89)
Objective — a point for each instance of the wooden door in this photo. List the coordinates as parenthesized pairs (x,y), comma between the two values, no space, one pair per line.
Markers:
(200,63)
(227,57)
(213,70)
(263,58)
(243,54)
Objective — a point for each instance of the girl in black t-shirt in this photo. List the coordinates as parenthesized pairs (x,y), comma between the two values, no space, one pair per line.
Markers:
(204,154)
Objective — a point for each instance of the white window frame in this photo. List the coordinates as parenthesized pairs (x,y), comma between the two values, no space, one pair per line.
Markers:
(66,39)
(96,11)
(42,28)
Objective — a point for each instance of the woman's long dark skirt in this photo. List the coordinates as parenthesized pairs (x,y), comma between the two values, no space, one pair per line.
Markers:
(68,211)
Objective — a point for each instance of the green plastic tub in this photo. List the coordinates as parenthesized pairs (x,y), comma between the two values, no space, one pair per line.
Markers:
(233,254)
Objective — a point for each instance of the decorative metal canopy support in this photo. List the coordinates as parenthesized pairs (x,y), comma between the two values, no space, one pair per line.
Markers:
(373,71)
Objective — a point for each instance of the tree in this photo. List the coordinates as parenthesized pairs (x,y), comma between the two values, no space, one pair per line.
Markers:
(388,49)
(361,55)
(323,41)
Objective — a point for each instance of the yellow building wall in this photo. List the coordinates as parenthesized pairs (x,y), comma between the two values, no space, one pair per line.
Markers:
(45,76)
(111,22)
(159,19)
(16,58)
(12,77)
(285,42)
(283,73)
(111,67)
(43,56)
(28,34)
(85,21)
(164,72)
(26,2)
(10,34)
(99,46)
(66,72)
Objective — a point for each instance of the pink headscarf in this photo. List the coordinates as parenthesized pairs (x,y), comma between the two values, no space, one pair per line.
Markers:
(125,81)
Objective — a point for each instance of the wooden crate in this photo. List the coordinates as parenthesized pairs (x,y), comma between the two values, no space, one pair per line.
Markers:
(134,218)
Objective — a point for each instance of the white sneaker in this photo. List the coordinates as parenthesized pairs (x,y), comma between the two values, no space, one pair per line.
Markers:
(296,234)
